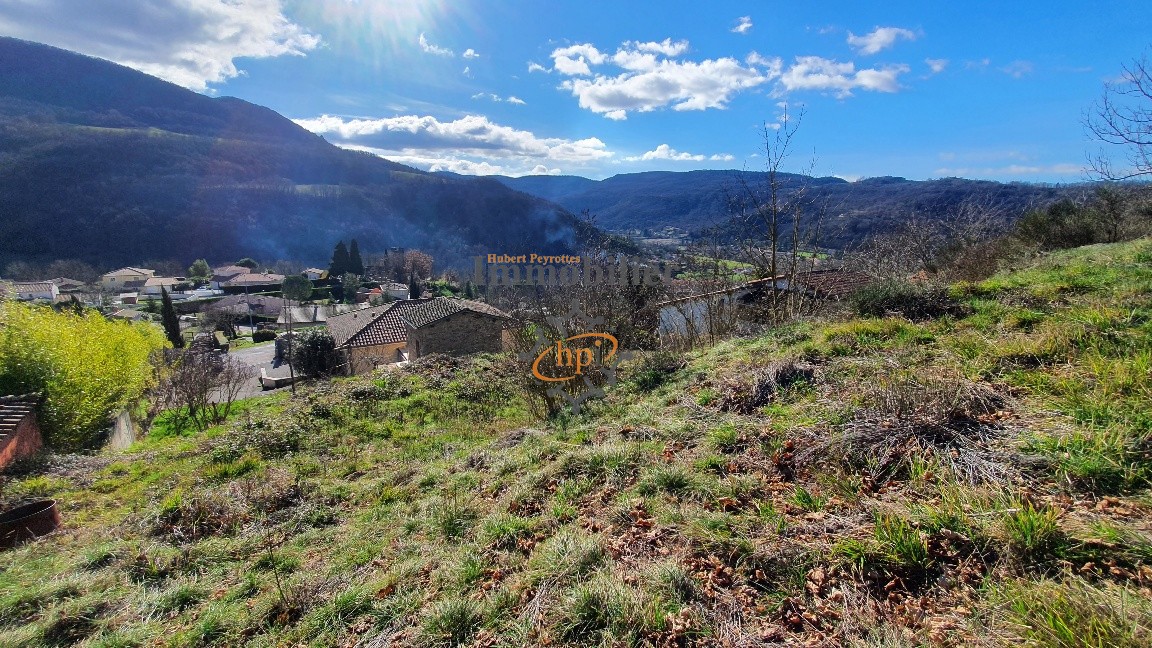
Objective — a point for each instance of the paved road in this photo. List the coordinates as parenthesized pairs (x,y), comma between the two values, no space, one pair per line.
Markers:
(259,357)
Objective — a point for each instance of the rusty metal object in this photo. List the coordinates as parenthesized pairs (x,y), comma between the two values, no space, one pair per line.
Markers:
(28,522)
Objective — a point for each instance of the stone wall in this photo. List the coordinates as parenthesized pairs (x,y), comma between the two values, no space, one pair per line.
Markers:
(123,432)
(364,359)
(458,334)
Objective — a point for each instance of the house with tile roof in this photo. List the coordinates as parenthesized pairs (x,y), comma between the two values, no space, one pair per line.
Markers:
(227,273)
(251,281)
(370,337)
(129,277)
(19,428)
(35,290)
(455,327)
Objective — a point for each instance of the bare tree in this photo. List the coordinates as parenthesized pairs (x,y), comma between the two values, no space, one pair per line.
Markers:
(1123,116)
(771,219)
(197,387)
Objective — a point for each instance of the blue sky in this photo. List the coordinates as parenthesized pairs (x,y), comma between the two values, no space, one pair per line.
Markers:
(991,90)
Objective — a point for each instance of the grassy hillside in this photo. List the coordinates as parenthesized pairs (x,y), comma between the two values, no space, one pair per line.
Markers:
(979,479)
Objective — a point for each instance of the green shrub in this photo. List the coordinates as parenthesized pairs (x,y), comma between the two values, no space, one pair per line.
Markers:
(912,301)
(86,367)
(314,352)
(264,335)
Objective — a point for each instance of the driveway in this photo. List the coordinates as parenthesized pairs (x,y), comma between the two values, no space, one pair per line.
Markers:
(259,357)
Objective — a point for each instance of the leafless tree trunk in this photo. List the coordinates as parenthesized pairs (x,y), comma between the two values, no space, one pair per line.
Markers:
(771,222)
(1123,116)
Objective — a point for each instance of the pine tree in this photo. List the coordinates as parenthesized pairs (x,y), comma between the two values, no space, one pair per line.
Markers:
(469,290)
(340,261)
(355,263)
(414,290)
(170,320)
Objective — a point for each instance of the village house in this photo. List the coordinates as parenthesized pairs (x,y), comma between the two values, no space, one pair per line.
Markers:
(35,291)
(19,428)
(252,281)
(395,290)
(153,286)
(69,286)
(227,273)
(371,337)
(455,327)
(128,277)
(314,274)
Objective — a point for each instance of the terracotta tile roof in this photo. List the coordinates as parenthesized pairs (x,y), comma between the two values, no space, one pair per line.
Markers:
(441,307)
(14,409)
(834,284)
(227,272)
(826,284)
(66,284)
(129,271)
(373,326)
(32,286)
(254,279)
(162,281)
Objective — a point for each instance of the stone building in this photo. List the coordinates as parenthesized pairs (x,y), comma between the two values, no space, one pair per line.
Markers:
(455,327)
(372,337)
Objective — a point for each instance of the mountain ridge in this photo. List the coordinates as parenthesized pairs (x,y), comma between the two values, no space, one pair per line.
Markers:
(129,167)
(700,201)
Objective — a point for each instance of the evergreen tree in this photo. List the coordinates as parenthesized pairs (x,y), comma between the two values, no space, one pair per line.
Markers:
(414,290)
(170,320)
(248,262)
(349,285)
(340,261)
(355,263)
(469,290)
(200,270)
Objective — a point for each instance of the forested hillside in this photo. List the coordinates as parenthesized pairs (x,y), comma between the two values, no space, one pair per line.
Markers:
(111,166)
(698,200)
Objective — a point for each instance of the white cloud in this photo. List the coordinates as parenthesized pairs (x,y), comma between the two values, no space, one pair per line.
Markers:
(467,71)
(192,43)
(512,99)
(652,78)
(536,67)
(665,47)
(433,49)
(879,39)
(743,26)
(471,144)
(574,59)
(665,152)
(816,73)
(1017,69)
(470,54)
(936,65)
(773,66)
